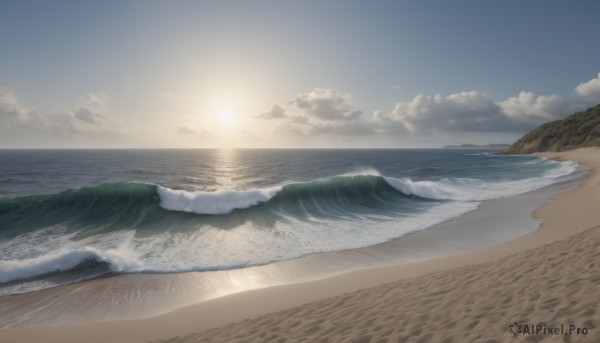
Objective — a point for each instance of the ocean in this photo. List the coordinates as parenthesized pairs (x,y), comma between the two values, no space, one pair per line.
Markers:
(71,215)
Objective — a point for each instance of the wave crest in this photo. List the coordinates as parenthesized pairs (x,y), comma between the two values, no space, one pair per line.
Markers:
(353,189)
(218,202)
(467,189)
(444,189)
(118,260)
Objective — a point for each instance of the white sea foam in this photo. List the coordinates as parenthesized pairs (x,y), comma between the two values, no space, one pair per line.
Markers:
(444,189)
(248,244)
(466,189)
(119,260)
(218,202)
(369,171)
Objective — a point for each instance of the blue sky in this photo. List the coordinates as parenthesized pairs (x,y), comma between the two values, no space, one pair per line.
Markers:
(291,74)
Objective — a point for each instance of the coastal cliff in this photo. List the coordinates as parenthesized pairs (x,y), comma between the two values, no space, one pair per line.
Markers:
(581,129)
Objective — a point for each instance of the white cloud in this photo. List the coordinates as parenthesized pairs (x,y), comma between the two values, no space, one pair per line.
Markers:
(276,112)
(10,106)
(28,126)
(590,90)
(479,112)
(529,107)
(329,112)
(461,112)
(326,104)
(322,111)
(385,124)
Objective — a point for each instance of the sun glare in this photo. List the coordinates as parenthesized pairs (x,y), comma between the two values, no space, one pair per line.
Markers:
(225,116)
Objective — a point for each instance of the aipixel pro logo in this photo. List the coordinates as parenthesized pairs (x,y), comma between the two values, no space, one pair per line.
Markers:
(515,328)
(542,329)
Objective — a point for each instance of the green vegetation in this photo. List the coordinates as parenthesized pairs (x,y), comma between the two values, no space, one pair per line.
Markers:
(581,129)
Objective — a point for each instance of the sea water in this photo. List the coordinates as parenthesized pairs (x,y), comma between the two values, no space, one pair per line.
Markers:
(71,215)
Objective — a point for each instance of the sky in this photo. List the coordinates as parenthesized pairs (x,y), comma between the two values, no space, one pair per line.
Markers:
(291,74)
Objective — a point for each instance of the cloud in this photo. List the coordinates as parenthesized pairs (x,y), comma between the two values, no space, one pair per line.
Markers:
(590,90)
(326,104)
(188,129)
(299,119)
(385,124)
(461,112)
(77,120)
(327,111)
(276,112)
(24,122)
(322,111)
(90,117)
(97,99)
(529,107)
(474,111)
(10,106)
(290,129)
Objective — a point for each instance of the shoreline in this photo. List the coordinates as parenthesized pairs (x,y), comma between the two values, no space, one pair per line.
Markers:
(139,296)
(256,302)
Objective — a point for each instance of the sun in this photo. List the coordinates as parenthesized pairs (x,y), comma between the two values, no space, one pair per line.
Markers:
(226,116)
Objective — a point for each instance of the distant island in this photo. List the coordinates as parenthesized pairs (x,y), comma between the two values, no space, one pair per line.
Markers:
(478,146)
(578,130)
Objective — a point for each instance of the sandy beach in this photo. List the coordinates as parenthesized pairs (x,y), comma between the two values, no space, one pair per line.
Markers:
(548,278)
